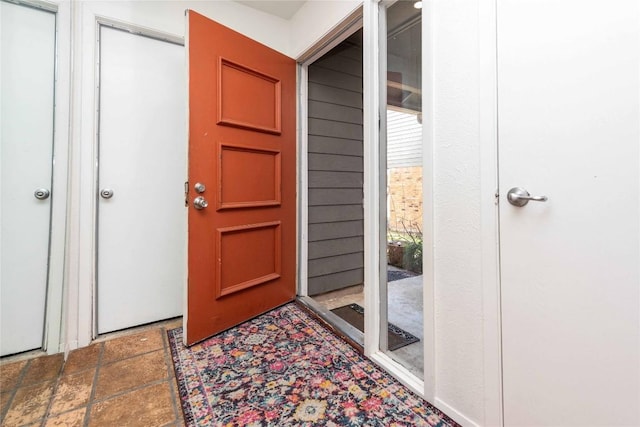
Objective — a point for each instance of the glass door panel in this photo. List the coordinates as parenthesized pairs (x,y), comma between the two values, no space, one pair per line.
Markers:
(401,138)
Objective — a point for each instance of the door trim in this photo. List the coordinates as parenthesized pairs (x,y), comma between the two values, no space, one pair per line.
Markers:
(489,213)
(342,31)
(367,18)
(349,26)
(36,4)
(137,30)
(375,207)
(54,341)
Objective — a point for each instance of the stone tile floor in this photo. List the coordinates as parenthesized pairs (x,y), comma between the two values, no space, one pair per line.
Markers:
(123,379)
(127,378)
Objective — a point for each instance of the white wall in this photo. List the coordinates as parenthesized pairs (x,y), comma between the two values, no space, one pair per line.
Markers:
(315,19)
(465,257)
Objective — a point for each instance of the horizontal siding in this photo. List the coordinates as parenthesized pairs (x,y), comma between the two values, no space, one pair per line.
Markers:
(334,129)
(334,196)
(334,95)
(335,162)
(325,145)
(338,79)
(332,213)
(335,281)
(327,248)
(329,265)
(404,140)
(342,64)
(335,230)
(338,113)
(334,179)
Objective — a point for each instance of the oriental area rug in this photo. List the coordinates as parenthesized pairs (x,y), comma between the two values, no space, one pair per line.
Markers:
(284,368)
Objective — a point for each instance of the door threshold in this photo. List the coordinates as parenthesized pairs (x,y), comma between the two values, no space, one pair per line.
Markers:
(336,324)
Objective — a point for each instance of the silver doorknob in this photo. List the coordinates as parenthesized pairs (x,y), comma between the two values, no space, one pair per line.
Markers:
(41,193)
(200,203)
(106,193)
(520,197)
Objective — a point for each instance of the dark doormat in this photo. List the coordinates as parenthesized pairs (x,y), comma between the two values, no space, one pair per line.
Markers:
(393,275)
(354,314)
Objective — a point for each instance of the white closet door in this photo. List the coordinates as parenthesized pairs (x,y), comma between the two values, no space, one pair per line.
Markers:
(27,38)
(142,160)
(569,129)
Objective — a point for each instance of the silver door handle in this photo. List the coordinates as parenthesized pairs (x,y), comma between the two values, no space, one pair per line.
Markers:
(42,193)
(106,193)
(520,197)
(200,203)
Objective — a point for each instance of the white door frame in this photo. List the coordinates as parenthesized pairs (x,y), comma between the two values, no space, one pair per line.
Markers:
(489,191)
(53,341)
(375,203)
(492,374)
(139,31)
(341,32)
(374,234)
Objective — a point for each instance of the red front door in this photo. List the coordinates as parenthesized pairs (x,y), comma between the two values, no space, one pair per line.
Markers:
(242,149)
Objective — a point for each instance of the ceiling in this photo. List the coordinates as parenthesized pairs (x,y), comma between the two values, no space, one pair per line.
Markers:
(283,8)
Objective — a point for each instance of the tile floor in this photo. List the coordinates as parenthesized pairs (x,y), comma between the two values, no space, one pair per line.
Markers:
(127,379)
(123,379)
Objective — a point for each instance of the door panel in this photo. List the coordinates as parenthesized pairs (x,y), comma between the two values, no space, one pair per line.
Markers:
(568,99)
(242,140)
(27,91)
(142,227)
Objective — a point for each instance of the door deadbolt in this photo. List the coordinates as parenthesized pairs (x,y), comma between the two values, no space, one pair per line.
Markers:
(199,187)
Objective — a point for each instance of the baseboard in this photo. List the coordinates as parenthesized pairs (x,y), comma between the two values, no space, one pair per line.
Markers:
(454,414)
(399,372)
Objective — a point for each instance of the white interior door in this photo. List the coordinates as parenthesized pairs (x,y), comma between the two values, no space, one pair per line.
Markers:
(568,96)
(142,162)
(27,89)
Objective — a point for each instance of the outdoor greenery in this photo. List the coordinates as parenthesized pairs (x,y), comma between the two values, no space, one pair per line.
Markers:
(412,259)
(404,249)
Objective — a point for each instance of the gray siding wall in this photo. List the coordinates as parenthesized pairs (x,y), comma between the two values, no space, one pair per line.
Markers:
(336,246)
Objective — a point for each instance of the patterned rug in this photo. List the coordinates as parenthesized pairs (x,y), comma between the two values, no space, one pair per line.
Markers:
(285,369)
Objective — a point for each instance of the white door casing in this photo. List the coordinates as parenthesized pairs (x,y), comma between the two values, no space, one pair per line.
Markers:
(141,250)
(568,114)
(27,88)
